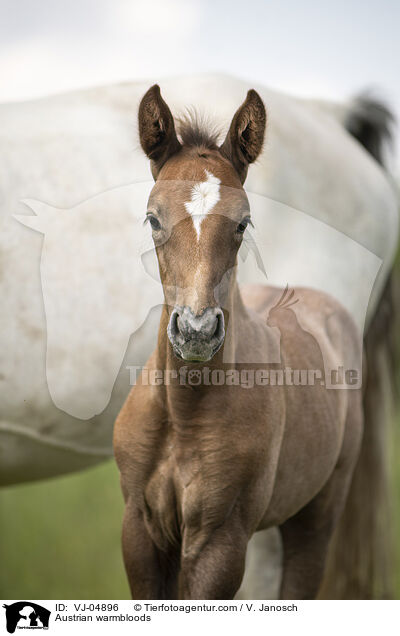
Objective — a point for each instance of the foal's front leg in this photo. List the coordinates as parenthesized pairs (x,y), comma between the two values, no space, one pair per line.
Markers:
(152,574)
(212,564)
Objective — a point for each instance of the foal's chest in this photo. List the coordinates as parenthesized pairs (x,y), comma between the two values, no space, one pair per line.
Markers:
(164,491)
(189,487)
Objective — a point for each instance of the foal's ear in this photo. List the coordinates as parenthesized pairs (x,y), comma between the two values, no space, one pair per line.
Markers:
(157,130)
(245,138)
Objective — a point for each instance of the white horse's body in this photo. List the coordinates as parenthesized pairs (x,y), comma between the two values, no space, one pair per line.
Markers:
(329,203)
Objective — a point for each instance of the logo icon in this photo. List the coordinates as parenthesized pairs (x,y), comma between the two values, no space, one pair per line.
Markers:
(26,615)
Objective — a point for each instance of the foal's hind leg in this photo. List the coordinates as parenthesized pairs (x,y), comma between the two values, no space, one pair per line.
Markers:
(306,535)
(305,539)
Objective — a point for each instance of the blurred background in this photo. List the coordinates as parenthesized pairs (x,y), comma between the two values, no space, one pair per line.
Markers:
(329,49)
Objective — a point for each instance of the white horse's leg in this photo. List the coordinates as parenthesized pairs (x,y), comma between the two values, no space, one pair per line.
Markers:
(263,572)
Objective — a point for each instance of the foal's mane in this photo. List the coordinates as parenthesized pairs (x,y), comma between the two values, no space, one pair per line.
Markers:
(197,131)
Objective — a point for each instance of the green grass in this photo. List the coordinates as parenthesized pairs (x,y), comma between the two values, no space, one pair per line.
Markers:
(60,538)
(396,504)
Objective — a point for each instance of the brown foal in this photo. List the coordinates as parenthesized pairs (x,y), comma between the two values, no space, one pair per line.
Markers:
(204,464)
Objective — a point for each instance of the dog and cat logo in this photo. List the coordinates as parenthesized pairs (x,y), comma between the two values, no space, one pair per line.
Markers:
(26,615)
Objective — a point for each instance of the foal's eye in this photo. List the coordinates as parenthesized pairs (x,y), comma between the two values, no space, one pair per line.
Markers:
(154,222)
(241,228)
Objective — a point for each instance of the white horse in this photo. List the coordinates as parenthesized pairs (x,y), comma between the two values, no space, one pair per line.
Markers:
(78,309)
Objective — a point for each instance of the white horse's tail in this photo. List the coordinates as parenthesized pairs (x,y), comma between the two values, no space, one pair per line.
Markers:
(361,556)
(370,121)
(367,119)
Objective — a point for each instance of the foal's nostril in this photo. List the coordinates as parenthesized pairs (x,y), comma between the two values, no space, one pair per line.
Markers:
(180,325)
(173,326)
(216,323)
(220,326)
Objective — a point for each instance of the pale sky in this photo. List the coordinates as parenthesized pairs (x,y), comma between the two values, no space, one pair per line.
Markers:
(315,48)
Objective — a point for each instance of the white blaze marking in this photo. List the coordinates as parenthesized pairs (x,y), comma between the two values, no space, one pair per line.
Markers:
(205,195)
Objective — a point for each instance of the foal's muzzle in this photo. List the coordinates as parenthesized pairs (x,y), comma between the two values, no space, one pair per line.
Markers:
(196,338)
